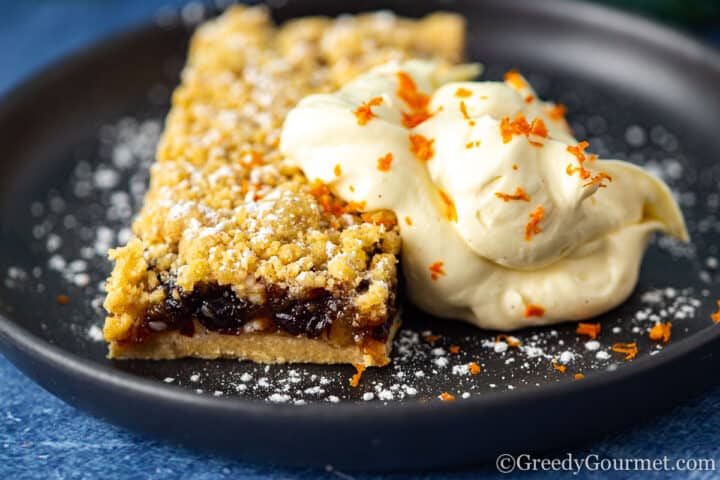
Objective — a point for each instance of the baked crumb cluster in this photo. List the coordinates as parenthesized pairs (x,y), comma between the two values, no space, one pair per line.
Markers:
(223,206)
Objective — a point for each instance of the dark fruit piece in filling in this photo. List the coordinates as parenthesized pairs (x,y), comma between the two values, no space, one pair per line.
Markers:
(309,316)
(218,309)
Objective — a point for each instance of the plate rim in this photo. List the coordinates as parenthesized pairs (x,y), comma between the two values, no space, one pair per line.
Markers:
(14,336)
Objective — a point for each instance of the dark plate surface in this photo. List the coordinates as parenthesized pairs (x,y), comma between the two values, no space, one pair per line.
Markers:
(76,144)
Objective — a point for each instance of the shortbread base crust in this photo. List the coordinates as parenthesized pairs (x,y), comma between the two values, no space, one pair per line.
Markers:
(262,347)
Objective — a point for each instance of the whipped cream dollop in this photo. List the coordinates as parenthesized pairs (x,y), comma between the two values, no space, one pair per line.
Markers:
(506,220)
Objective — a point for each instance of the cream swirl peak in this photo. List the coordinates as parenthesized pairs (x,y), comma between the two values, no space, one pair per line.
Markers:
(506,221)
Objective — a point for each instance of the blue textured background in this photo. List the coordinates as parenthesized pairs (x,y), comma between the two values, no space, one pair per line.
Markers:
(41,437)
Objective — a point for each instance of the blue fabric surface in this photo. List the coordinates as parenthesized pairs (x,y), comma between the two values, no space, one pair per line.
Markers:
(41,437)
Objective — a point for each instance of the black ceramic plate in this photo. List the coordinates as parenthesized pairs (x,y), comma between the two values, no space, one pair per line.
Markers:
(76,143)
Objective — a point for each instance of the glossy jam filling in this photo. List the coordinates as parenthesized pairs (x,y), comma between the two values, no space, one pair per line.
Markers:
(218,309)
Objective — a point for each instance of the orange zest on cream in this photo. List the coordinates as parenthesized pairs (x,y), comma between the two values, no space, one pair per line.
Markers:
(466,116)
(521,127)
(409,93)
(463,92)
(579,152)
(436,270)
(364,112)
(533,226)
(518,195)
(413,119)
(384,162)
(598,179)
(515,80)
(421,147)
(450,210)
(557,111)
(533,311)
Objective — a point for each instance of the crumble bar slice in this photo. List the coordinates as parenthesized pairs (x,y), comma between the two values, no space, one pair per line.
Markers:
(235,253)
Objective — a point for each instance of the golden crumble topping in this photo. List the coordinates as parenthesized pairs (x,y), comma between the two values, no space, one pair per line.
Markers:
(223,208)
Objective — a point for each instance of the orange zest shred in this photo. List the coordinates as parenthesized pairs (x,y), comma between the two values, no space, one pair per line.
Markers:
(409,93)
(591,330)
(384,162)
(337,170)
(579,152)
(364,112)
(629,349)
(408,221)
(518,195)
(579,376)
(331,203)
(355,380)
(560,368)
(557,111)
(354,207)
(454,349)
(516,127)
(511,341)
(446,397)
(413,119)
(473,368)
(431,338)
(533,226)
(599,179)
(532,310)
(538,128)
(473,144)
(421,147)
(660,332)
(252,158)
(463,92)
(436,270)
(521,127)
(463,110)
(515,80)
(715,317)
(416,100)
(450,210)
(529,98)
(62,299)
